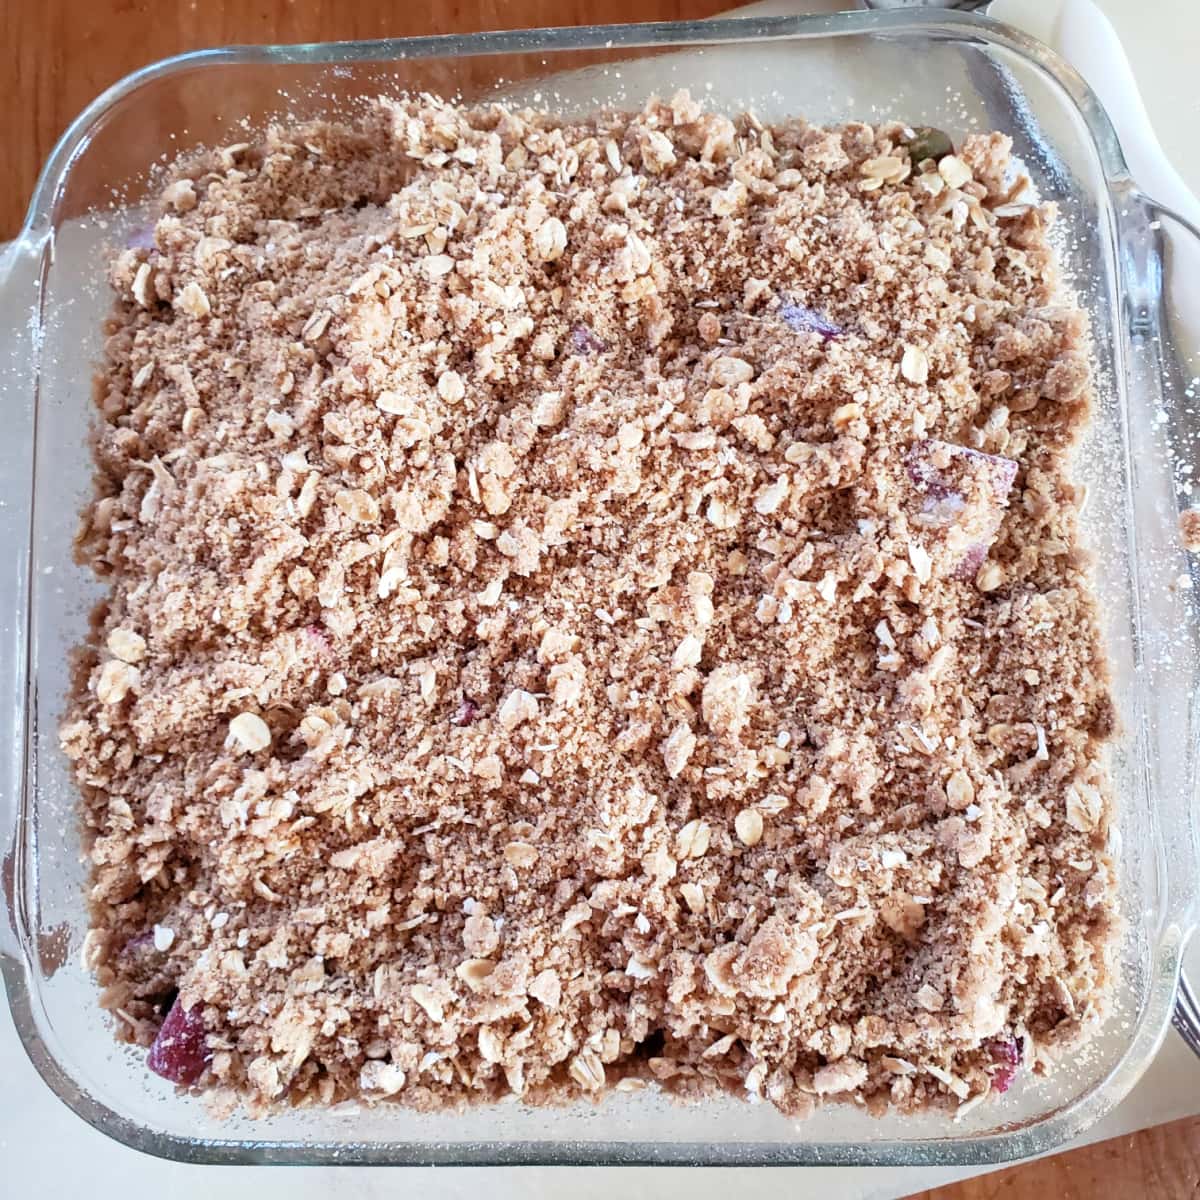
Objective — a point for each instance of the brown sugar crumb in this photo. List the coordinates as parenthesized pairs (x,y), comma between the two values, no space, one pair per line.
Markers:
(594,605)
(1189,529)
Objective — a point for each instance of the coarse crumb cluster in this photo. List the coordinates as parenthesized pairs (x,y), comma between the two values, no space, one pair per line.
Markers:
(594,604)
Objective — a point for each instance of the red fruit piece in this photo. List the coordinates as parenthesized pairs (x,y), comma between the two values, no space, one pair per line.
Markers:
(466,712)
(1002,1079)
(940,470)
(319,635)
(139,942)
(801,319)
(959,498)
(585,341)
(1007,1053)
(1005,1050)
(180,1051)
(141,237)
(972,560)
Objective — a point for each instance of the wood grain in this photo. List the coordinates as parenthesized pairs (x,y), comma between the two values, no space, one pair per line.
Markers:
(1156,1164)
(59,54)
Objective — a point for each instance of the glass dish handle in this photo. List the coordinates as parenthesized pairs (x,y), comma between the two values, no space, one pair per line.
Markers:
(1165,348)
(20,272)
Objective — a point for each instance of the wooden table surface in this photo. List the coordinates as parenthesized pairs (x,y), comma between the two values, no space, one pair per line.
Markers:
(59,54)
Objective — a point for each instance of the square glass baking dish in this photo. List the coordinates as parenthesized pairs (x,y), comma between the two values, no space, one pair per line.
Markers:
(949,70)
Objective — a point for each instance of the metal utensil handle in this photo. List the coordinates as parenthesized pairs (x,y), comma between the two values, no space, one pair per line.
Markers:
(1187,1015)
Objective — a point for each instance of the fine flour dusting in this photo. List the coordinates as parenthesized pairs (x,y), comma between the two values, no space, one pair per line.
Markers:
(594,605)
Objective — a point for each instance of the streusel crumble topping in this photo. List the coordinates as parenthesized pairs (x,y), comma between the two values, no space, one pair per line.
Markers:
(593,604)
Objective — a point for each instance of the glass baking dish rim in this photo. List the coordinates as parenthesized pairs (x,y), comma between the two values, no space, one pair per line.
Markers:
(713,31)
(36,239)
